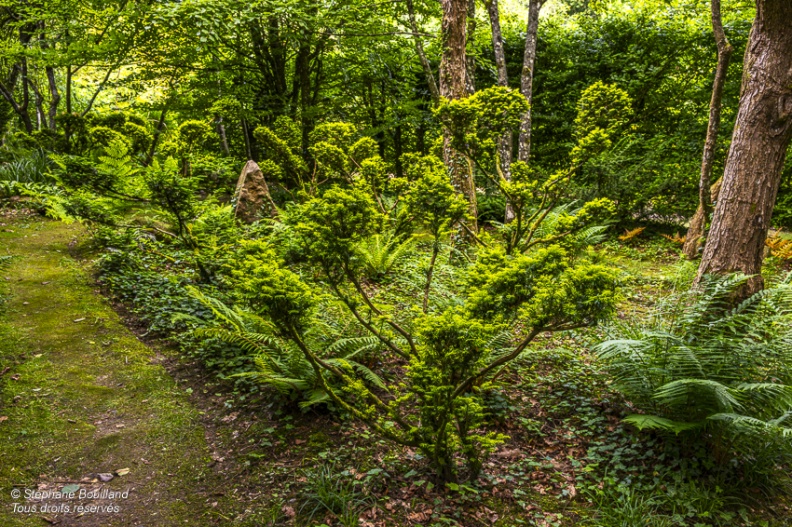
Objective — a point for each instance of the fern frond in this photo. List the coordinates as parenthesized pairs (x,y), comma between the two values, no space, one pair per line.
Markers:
(676,238)
(630,234)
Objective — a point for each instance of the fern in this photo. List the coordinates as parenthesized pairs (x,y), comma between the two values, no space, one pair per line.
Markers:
(779,247)
(709,365)
(382,251)
(630,234)
(676,238)
(279,363)
(117,161)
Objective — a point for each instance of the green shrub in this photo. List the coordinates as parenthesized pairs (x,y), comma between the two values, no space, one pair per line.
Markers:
(712,369)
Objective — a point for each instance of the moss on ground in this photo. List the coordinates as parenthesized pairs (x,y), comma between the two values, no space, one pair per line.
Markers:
(81,395)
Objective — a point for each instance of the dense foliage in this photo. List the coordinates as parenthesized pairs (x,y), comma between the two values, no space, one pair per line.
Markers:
(367,286)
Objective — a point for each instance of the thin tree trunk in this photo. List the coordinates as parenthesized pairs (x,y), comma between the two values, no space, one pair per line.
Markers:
(758,149)
(39,100)
(67,128)
(505,142)
(246,135)
(497,42)
(223,137)
(55,97)
(526,80)
(419,49)
(303,76)
(7,91)
(470,58)
(420,137)
(99,88)
(20,70)
(25,97)
(157,133)
(698,224)
(453,85)
(398,149)
(68,89)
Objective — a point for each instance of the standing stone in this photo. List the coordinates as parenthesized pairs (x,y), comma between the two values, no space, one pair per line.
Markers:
(252,196)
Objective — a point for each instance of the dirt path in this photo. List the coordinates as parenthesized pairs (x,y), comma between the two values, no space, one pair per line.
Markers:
(80,396)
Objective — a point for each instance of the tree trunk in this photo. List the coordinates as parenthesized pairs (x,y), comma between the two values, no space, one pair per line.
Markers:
(470,58)
(453,85)
(419,49)
(398,149)
(7,91)
(39,101)
(246,135)
(302,73)
(157,134)
(67,128)
(526,80)
(54,97)
(222,132)
(698,224)
(759,144)
(505,142)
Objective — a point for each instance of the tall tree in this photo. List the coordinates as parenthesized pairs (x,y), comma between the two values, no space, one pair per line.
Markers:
(505,141)
(527,76)
(504,146)
(419,49)
(758,149)
(698,223)
(453,85)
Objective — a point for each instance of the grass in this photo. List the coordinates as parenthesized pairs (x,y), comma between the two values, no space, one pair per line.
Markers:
(83,396)
(91,398)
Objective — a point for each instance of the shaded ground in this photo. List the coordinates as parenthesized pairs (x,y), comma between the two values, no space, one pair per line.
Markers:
(81,396)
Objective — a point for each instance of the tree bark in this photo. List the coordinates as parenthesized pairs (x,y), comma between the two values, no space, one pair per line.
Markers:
(39,102)
(20,70)
(526,80)
(698,224)
(419,49)
(222,132)
(470,58)
(759,144)
(398,149)
(505,142)
(55,97)
(157,134)
(453,85)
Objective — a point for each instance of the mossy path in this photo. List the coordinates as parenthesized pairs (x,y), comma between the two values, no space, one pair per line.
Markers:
(81,396)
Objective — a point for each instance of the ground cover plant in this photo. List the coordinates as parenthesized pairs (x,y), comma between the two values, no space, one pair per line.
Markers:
(484,263)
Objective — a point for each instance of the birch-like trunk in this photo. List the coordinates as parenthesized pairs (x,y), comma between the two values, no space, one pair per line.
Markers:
(698,224)
(526,79)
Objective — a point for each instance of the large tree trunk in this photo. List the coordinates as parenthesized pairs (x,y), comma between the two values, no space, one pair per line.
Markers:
(526,80)
(759,144)
(453,80)
(698,224)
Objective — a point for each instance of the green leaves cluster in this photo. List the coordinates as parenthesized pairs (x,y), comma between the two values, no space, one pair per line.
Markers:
(713,369)
(317,298)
